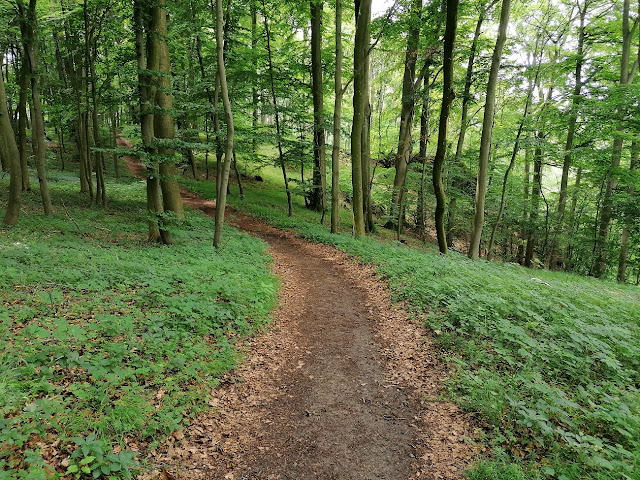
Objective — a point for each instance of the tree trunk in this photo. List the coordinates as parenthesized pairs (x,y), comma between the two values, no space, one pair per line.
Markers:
(254,85)
(11,158)
(535,203)
(163,124)
(466,100)
(28,29)
(22,123)
(514,154)
(363,19)
(337,121)
(146,90)
(319,178)
(447,99)
(221,199)
(624,238)
(571,131)
(367,179)
(424,140)
(524,228)
(406,114)
(277,113)
(487,130)
(626,77)
(101,194)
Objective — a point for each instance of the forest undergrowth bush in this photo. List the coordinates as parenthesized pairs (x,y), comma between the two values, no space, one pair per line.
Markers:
(549,362)
(108,344)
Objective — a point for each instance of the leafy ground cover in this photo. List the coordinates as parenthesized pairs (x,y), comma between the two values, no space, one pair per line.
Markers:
(108,344)
(549,362)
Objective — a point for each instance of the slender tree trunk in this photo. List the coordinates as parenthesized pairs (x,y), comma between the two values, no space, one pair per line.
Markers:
(424,140)
(612,180)
(254,86)
(277,113)
(367,179)
(101,194)
(524,222)
(22,122)
(571,221)
(487,130)
(11,158)
(29,32)
(363,19)
(406,114)
(447,99)
(626,234)
(319,178)
(464,123)
(221,199)
(571,131)
(514,154)
(535,204)
(337,124)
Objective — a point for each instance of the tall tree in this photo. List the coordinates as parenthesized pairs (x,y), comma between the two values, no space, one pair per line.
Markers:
(406,114)
(11,158)
(361,47)
(487,129)
(274,99)
(221,198)
(447,99)
(626,77)
(163,122)
(319,180)
(337,121)
(29,29)
(464,120)
(571,132)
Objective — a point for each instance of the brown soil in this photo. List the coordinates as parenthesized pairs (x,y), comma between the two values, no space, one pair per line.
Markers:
(342,386)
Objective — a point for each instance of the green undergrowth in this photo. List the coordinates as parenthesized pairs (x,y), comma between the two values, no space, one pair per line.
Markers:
(549,362)
(107,343)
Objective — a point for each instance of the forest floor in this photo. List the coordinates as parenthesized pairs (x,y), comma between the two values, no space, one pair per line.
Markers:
(343,385)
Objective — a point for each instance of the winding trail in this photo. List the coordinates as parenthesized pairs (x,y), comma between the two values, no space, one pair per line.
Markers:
(342,385)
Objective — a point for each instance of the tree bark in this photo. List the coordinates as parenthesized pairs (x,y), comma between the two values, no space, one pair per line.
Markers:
(22,123)
(367,179)
(626,234)
(163,124)
(447,98)
(612,180)
(363,19)
(319,177)
(11,158)
(337,123)
(274,98)
(221,199)
(406,114)
(466,100)
(487,130)
(28,27)
(535,204)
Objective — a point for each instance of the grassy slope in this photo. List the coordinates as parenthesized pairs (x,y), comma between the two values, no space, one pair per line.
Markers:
(106,341)
(550,362)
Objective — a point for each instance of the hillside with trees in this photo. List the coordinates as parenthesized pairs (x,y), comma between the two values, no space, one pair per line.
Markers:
(199,193)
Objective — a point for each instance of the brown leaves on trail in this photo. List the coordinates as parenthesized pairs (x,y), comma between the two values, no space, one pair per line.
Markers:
(267,419)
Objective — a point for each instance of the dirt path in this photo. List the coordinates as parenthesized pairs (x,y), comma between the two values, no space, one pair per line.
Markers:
(342,386)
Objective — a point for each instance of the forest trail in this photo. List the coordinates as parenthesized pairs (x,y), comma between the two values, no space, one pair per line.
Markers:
(341,386)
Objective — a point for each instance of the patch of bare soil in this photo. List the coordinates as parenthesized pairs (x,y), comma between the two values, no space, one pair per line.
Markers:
(342,386)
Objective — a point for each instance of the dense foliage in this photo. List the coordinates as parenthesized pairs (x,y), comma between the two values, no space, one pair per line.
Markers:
(107,342)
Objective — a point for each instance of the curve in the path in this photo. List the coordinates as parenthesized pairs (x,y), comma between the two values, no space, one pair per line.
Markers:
(342,386)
